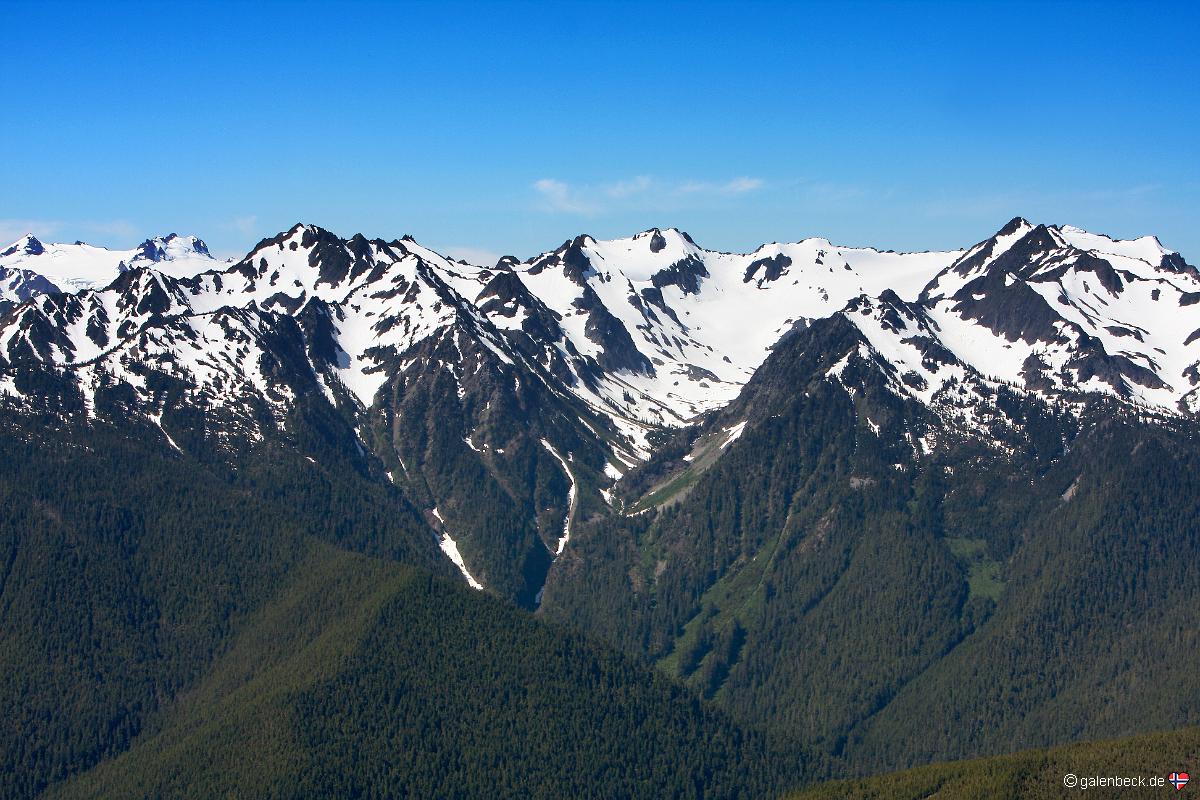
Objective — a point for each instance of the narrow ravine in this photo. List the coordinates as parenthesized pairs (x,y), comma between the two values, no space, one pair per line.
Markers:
(572,498)
(572,502)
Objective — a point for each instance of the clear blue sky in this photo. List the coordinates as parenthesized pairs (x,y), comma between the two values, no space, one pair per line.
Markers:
(509,127)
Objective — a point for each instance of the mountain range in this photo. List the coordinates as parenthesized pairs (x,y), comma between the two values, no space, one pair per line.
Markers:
(653,330)
(866,509)
(29,267)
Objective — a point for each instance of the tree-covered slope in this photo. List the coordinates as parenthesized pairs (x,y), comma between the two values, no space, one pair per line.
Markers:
(364,678)
(831,576)
(125,567)
(1033,774)
(876,553)
(254,625)
(1096,627)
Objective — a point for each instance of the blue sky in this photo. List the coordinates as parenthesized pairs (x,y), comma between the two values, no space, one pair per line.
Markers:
(508,127)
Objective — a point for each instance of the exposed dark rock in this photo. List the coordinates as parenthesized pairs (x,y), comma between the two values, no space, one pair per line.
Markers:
(654,297)
(1024,256)
(1175,263)
(288,303)
(1086,262)
(1012,226)
(30,246)
(503,288)
(143,291)
(1035,371)
(316,320)
(576,265)
(686,274)
(699,373)
(774,267)
(933,353)
(1117,330)
(570,255)
(618,351)
(25,283)
(328,253)
(149,250)
(1008,307)
(1094,362)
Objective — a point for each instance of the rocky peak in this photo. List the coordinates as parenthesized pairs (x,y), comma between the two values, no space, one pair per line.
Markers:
(27,245)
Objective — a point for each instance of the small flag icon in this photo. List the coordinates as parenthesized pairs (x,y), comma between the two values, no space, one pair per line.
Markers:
(1178,780)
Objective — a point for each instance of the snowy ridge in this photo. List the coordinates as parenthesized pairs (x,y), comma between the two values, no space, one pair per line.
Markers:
(71,267)
(1045,310)
(648,330)
(587,349)
(361,306)
(654,330)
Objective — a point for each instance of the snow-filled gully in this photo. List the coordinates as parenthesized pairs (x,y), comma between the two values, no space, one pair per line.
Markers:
(572,498)
(572,502)
(450,548)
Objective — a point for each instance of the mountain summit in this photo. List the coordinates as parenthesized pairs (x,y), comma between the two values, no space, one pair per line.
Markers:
(27,245)
(832,489)
(73,267)
(577,360)
(654,330)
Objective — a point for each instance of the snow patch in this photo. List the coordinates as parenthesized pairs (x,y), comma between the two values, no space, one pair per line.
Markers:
(732,433)
(450,548)
(571,498)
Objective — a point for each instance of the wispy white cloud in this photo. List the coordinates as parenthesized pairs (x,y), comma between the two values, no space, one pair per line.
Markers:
(119,228)
(13,229)
(472,255)
(246,225)
(641,191)
(558,196)
(108,233)
(629,188)
(736,186)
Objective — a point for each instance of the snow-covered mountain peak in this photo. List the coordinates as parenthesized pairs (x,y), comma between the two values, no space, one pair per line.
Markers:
(73,267)
(1013,244)
(27,245)
(1017,226)
(304,257)
(1059,310)
(644,255)
(180,256)
(653,329)
(1023,248)
(172,247)
(659,239)
(1145,248)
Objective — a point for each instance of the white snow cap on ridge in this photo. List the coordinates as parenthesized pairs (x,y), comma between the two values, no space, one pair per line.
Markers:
(1050,309)
(653,329)
(1145,248)
(72,267)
